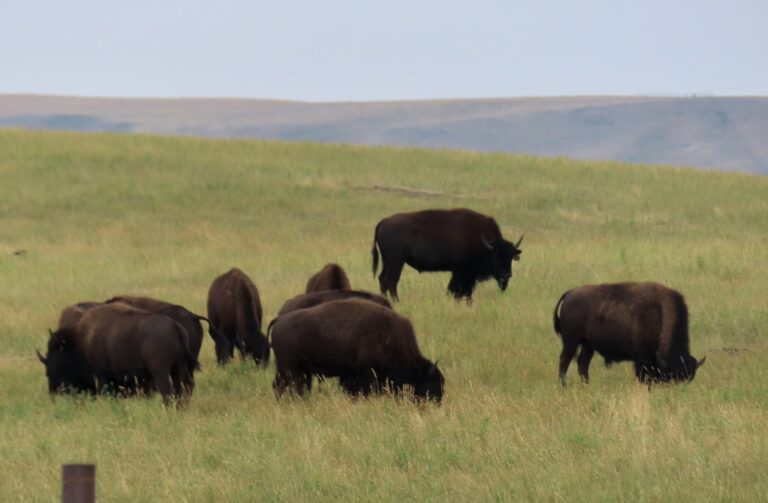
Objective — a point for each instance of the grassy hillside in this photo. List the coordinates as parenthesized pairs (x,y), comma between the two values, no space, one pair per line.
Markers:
(723,133)
(100,215)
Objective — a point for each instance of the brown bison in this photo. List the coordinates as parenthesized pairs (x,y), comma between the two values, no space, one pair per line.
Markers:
(234,309)
(117,348)
(189,320)
(305,300)
(646,323)
(368,346)
(71,315)
(330,277)
(462,241)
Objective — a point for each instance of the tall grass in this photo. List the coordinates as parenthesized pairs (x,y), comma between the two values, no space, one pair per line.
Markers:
(99,215)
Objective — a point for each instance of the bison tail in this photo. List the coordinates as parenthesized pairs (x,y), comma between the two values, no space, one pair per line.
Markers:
(212,331)
(556,316)
(375,251)
(189,357)
(269,327)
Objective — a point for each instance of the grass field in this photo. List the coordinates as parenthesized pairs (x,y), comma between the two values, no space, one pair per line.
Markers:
(100,215)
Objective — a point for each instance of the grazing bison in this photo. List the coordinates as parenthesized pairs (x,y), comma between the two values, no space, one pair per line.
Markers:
(70,315)
(646,323)
(461,241)
(330,277)
(189,320)
(366,345)
(234,308)
(305,300)
(117,348)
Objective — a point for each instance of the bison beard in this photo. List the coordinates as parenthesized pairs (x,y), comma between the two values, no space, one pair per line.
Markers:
(368,346)
(464,242)
(645,323)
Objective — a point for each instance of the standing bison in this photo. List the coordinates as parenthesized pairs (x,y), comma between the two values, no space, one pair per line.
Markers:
(120,349)
(646,323)
(368,346)
(462,241)
(330,277)
(189,320)
(234,308)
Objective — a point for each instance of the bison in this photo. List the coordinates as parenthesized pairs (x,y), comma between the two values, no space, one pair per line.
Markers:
(462,241)
(312,299)
(189,320)
(368,346)
(646,323)
(234,309)
(330,277)
(117,348)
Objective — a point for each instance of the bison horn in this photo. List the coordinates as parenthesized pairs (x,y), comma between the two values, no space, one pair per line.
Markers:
(486,243)
(517,245)
(50,332)
(701,362)
(41,358)
(433,368)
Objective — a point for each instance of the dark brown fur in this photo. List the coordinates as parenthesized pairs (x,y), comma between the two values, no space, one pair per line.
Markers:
(462,241)
(646,323)
(71,315)
(234,308)
(330,277)
(305,300)
(366,345)
(120,349)
(189,320)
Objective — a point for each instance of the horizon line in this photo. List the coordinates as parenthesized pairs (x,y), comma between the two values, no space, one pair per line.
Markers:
(649,95)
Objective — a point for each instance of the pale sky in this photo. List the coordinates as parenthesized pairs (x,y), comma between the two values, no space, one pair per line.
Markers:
(383,50)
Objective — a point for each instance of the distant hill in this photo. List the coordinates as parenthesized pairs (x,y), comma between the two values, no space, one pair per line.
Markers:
(709,132)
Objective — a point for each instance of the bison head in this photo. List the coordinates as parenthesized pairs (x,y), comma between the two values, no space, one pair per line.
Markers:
(679,369)
(65,368)
(502,253)
(256,346)
(429,383)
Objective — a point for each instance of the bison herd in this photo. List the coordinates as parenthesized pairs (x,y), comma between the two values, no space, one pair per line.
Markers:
(137,345)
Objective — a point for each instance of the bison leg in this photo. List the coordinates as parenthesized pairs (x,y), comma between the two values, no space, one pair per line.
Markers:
(164,385)
(390,276)
(566,355)
(303,383)
(348,383)
(461,286)
(183,383)
(225,350)
(295,381)
(359,383)
(646,372)
(585,356)
(642,373)
(281,383)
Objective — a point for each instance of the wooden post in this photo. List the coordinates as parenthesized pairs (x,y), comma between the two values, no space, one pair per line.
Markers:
(78,483)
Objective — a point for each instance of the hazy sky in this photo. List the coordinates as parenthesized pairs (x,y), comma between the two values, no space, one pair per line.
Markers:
(366,50)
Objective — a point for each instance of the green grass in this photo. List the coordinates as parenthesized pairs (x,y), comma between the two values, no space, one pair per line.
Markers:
(100,215)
